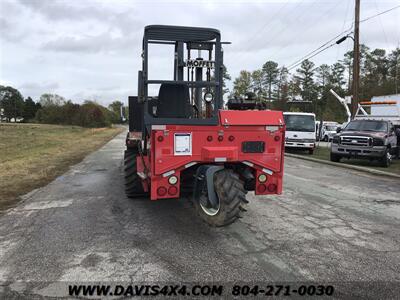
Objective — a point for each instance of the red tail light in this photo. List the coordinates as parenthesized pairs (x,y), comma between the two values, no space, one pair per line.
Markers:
(272,187)
(161,191)
(261,188)
(172,190)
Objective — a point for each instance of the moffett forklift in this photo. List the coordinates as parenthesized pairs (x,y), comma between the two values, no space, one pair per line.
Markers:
(182,143)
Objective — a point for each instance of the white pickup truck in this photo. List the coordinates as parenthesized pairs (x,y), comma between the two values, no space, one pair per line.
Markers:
(328,130)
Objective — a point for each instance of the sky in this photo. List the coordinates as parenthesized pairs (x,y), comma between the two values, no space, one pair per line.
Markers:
(90,50)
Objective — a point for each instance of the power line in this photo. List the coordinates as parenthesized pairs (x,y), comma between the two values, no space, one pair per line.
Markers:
(312,53)
(322,46)
(244,52)
(344,24)
(379,14)
(270,39)
(381,23)
(269,21)
(315,54)
(259,32)
(304,31)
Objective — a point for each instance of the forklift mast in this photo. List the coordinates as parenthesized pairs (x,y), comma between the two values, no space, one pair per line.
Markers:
(203,75)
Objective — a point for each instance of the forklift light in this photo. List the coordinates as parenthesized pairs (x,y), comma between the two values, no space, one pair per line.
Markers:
(231,138)
(277,138)
(262,178)
(272,187)
(161,191)
(160,138)
(261,188)
(172,190)
(173,180)
(209,138)
(208,97)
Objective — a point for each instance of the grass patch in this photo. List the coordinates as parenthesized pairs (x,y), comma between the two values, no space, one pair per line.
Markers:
(324,154)
(34,154)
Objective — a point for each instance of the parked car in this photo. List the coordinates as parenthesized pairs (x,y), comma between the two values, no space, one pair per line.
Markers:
(328,130)
(370,139)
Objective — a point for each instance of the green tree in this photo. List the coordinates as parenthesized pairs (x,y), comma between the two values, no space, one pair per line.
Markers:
(69,112)
(89,114)
(305,75)
(242,84)
(323,75)
(257,83)
(347,62)
(294,89)
(374,80)
(336,78)
(30,108)
(271,72)
(92,114)
(379,75)
(52,109)
(12,102)
(225,77)
(50,114)
(364,54)
(51,99)
(282,91)
(394,71)
(115,108)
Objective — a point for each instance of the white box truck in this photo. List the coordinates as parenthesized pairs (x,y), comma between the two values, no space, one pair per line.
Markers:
(300,130)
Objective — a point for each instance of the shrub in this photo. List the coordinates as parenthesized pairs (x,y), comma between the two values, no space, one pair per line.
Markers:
(89,114)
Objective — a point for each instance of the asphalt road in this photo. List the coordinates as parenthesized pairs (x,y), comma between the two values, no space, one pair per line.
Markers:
(331,224)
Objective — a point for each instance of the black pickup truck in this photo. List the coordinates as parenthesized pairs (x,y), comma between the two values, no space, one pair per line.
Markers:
(370,139)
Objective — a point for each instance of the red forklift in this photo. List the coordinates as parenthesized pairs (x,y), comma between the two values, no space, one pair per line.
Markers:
(182,144)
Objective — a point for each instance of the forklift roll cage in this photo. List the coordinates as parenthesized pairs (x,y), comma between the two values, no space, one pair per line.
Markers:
(202,39)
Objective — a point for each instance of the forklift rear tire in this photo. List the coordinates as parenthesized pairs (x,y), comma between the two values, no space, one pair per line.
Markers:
(335,157)
(133,183)
(231,196)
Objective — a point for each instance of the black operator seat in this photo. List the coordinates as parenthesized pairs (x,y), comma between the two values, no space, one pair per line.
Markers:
(174,101)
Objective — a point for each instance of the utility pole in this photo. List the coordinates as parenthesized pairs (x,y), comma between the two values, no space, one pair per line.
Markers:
(356,60)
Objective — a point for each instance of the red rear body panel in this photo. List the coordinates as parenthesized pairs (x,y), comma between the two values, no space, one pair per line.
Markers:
(220,144)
